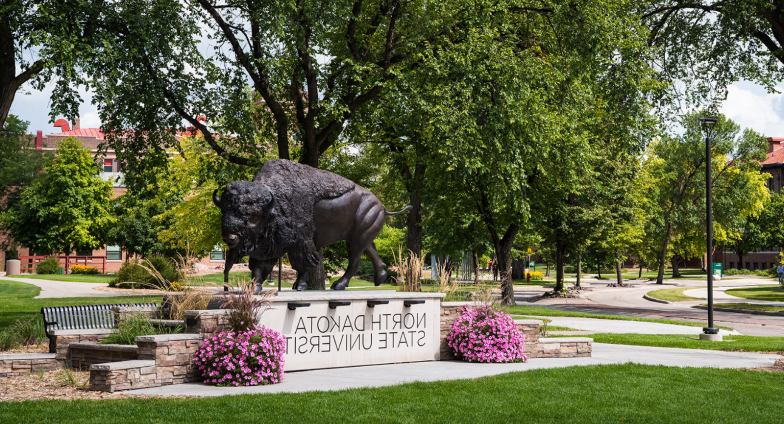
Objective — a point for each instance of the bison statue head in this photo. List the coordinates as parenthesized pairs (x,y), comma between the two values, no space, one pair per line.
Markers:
(247,208)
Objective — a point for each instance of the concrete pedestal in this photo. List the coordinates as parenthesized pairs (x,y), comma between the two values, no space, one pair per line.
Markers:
(13,267)
(711,337)
(331,329)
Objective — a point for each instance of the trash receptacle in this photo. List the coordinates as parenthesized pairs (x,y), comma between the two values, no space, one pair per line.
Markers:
(13,267)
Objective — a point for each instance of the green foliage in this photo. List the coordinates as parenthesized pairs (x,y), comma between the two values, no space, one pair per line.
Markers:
(49,265)
(135,325)
(133,274)
(66,209)
(23,332)
(20,161)
(675,173)
(195,223)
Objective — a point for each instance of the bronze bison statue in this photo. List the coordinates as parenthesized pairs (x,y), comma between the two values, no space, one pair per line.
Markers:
(296,209)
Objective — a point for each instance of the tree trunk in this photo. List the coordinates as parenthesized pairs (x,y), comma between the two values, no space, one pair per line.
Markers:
(316,276)
(639,276)
(740,259)
(559,267)
(503,260)
(663,256)
(476,266)
(547,271)
(676,273)
(579,268)
(618,267)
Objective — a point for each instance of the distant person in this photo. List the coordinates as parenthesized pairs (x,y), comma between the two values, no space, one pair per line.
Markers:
(780,271)
(490,266)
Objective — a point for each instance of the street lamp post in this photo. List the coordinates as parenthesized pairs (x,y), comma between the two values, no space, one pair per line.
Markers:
(710,332)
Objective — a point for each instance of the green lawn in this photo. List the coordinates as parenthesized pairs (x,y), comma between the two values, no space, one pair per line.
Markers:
(79,278)
(769,292)
(592,394)
(749,306)
(730,343)
(16,301)
(674,295)
(540,311)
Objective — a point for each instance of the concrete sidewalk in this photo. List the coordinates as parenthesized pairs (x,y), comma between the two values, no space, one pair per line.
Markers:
(630,327)
(388,375)
(51,288)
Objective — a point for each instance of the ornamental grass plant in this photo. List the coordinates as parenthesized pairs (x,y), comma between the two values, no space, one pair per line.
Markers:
(483,334)
(244,306)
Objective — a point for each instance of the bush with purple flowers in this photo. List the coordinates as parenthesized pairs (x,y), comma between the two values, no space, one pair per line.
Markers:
(482,334)
(243,358)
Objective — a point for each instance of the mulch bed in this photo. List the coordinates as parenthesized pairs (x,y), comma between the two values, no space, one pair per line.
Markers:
(53,385)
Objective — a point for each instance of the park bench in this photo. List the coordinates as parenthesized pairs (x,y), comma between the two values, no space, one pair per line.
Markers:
(85,317)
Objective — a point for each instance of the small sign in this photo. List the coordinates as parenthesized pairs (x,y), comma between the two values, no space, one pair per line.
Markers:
(529,250)
(717,270)
(533,265)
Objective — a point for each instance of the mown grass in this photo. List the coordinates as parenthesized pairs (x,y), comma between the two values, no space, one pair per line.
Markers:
(730,343)
(16,301)
(749,306)
(674,295)
(539,311)
(76,278)
(592,394)
(772,293)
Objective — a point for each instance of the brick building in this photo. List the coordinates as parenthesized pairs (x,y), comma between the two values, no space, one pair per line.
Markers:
(91,138)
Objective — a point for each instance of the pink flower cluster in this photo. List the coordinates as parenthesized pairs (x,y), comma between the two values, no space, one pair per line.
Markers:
(243,358)
(482,334)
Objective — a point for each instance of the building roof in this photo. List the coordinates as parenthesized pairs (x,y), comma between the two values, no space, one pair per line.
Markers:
(775,152)
(88,132)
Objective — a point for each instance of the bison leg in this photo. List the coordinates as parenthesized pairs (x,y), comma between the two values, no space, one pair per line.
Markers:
(380,274)
(364,233)
(260,270)
(354,256)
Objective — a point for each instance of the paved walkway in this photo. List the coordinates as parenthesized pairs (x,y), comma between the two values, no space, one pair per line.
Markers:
(388,375)
(51,288)
(627,327)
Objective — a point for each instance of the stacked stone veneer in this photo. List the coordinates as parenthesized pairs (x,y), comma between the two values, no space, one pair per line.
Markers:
(563,347)
(162,360)
(207,323)
(82,355)
(12,365)
(59,340)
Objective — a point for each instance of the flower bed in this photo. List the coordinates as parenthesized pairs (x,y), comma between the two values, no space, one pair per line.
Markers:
(482,334)
(242,358)
(84,269)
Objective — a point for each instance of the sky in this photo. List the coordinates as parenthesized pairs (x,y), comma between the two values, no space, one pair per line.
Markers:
(747,104)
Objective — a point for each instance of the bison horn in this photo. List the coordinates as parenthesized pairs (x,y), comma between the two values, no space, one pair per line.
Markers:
(215,198)
(268,207)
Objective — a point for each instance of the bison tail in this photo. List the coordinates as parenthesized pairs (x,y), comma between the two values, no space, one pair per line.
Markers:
(407,208)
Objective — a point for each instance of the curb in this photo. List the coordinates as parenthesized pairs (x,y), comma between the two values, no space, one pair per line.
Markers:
(742,311)
(653,299)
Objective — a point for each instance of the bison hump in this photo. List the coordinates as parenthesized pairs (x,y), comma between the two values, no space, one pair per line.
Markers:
(281,173)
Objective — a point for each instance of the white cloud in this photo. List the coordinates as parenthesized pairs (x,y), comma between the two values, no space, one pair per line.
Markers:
(751,107)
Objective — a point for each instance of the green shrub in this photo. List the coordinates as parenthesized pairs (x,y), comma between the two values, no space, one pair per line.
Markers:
(49,265)
(137,325)
(759,272)
(133,275)
(22,332)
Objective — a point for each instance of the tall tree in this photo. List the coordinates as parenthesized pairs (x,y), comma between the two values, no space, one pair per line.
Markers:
(676,167)
(707,45)
(66,209)
(43,41)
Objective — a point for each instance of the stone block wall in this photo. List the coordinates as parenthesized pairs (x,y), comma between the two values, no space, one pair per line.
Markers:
(12,365)
(162,360)
(82,355)
(207,323)
(530,329)
(563,347)
(59,340)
